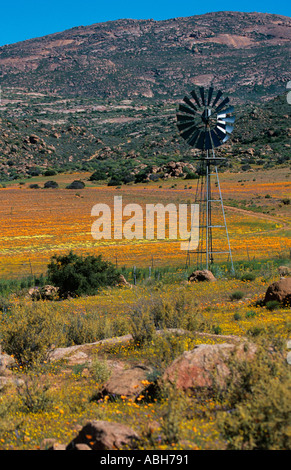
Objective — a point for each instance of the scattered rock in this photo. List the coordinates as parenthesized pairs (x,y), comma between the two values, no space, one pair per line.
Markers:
(129,383)
(34,139)
(284,271)
(104,435)
(6,362)
(122,282)
(10,381)
(206,365)
(44,293)
(200,276)
(279,291)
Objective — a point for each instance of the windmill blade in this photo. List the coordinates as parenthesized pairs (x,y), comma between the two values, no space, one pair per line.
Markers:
(201,140)
(225,139)
(229,128)
(210,93)
(220,133)
(225,128)
(189,133)
(189,103)
(186,110)
(185,117)
(193,94)
(201,89)
(216,141)
(221,128)
(187,126)
(218,96)
(184,126)
(227,111)
(223,119)
(222,104)
(194,138)
(208,142)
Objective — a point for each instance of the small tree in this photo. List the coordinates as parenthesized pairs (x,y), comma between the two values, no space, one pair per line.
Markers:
(80,275)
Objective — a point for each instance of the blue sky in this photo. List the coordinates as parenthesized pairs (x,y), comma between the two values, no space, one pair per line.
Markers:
(20,20)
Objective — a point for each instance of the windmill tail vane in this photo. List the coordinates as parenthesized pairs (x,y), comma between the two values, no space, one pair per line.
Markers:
(205,121)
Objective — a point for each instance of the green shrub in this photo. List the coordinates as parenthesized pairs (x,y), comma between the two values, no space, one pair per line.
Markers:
(34,397)
(78,275)
(28,331)
(259,405)
(237,316)
(251,314)
(272,305)
(100,370)
(248,277)
(236,295)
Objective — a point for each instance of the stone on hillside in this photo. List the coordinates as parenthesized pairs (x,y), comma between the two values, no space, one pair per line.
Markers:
(6,362)
(206,366)
(104,435)
(10,382)
(201,275)
(122,282)
(279,291)
(44,293)
(129,383)
(284,271)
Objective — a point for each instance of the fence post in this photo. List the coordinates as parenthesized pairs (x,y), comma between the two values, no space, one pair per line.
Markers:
(134,276)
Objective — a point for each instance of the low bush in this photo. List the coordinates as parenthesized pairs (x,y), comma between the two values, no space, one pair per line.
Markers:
(258,401)
(236,295)
(77,275)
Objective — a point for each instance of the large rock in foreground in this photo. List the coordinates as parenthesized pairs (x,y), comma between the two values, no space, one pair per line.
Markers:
(128,383)
(104,435)
(200,276)
(206,366)
(279,291)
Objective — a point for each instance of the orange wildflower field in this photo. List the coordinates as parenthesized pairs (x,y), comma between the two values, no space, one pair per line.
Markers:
(38,223)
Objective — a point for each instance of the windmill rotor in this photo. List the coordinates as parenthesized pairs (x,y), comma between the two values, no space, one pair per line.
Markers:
(205,119)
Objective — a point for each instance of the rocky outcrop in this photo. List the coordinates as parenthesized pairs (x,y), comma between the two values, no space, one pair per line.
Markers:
(104,435)
(44,293)
(279,291)
(6,376)
(128,383)
(206,366)
(201,275)
(284,271)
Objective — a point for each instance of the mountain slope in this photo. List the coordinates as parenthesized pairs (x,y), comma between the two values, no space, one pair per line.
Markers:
(246,54)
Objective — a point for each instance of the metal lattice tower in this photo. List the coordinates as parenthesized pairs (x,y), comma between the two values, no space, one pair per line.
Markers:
(205,120)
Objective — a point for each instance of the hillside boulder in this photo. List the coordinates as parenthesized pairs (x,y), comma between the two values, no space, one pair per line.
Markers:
(206,366)
(284,271)
(44,293)
(201,275)
(104,435)
(279,291)
(129,383)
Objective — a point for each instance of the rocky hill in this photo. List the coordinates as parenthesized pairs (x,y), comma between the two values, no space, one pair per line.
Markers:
(104,97)
(246,54)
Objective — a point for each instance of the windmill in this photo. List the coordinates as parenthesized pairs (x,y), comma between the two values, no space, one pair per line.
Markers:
(205,121)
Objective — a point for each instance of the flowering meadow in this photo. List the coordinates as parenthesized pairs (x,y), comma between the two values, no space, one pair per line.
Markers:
(52,400)
(37,223)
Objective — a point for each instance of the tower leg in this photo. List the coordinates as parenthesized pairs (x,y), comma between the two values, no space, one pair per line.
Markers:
(204,194)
